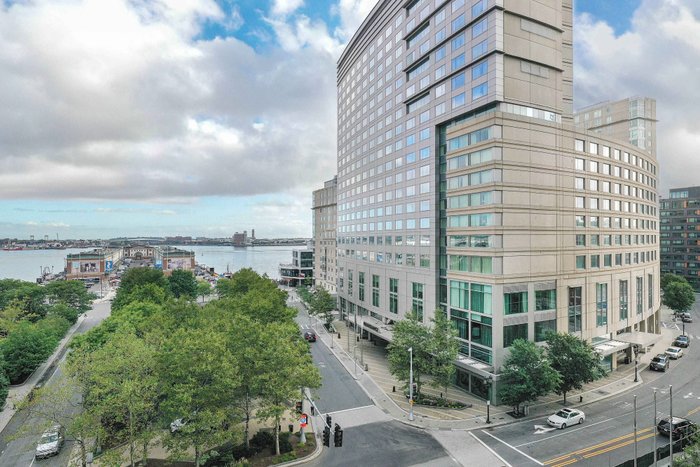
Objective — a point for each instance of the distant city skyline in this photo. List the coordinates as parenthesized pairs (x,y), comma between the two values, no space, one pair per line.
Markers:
(210,118)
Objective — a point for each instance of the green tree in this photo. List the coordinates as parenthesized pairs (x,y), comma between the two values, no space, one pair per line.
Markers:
(138,277)
(70,293)
(203,289)
(197,377)
(183,284)
(27,297)
(123,387)
(4,382)
(410,333)
(444,351)
(25,348)
(526,374)
(241,282)
(288,368)
(322,304)
(667,278)
(574,359)
(64,311)
(679,296)
(690,456)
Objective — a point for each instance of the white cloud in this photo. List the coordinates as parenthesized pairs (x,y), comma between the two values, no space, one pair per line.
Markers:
(117,99)
(285,7)
(655,58)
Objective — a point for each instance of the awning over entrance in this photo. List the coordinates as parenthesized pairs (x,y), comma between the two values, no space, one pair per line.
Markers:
(610,347)
(642,339)
(376,327)
(480,368)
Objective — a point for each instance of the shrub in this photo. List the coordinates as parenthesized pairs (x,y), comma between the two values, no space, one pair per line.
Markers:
(285,443)
(262,439)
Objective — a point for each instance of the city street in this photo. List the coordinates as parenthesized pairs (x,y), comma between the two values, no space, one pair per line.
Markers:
(370,436)
(607,435)
(17,447)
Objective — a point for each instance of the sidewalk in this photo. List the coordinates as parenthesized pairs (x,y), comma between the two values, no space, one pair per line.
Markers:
(387,393)
(19,392)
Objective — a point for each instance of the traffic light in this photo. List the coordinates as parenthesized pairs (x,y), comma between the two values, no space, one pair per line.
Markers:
(329,421)
(327,436)
(338,436)
(299,406)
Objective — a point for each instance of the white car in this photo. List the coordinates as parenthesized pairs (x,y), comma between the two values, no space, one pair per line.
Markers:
(566,417)
(50,443)
(674,352)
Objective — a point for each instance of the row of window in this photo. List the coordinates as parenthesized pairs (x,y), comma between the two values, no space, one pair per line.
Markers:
(400,259)
(629,258)
(609,240)
(410,224)
(616,154)
(398,240)
(615,171)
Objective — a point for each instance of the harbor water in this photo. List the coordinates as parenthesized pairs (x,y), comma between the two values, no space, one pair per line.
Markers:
(27,265)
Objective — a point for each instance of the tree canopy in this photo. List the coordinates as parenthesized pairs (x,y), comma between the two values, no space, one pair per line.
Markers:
(574,359)
(526,374)
(183,284)
(678,296)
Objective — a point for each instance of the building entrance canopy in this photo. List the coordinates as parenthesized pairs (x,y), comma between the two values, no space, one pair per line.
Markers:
(610,347)
(642,339)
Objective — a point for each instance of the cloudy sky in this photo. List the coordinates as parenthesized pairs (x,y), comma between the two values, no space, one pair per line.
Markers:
(203,117)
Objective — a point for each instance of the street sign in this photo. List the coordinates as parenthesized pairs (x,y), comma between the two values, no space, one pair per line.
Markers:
(303,420)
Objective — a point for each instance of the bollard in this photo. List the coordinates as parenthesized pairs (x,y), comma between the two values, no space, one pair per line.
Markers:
(366,367)
(393,389)
(580,398)
(338,335)
(312,410)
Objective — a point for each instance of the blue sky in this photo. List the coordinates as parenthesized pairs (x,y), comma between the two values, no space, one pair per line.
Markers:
(208,117)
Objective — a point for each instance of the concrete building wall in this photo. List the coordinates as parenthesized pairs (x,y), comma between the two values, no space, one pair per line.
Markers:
(325,215)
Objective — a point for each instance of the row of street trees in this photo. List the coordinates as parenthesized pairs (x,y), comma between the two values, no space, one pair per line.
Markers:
(319,302)
(159,358)
(677,293)
(33,320)
(530,371)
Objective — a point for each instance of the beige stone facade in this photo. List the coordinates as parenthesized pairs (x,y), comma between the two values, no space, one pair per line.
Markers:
(324,221)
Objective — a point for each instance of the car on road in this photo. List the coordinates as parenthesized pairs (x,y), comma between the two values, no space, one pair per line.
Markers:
(682,427)
(659,363)
(310,336)
(681,341)
(566,417)
(50,443)
(686,318)
(674,352)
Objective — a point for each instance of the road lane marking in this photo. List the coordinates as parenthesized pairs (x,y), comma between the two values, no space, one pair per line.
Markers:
(619,445)
(513,448)
(351,409)
(695,410)
(588,425)
(492,451)
(596,446)
(570,461)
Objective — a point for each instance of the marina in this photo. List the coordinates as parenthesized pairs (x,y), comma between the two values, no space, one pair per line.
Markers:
(28,265)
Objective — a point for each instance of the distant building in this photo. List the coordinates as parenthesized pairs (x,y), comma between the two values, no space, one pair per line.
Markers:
(324,222)
(680,234)
(170,259)
(632,119)
(240,239)
(92,264)
(300,271)
(139,252)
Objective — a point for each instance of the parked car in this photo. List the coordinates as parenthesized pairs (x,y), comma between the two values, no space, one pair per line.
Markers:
(659,363)
(310,336)
(177,425)
(674,352)
(682,427)
(50,443)
(681,341)
(566,417)
(686,317)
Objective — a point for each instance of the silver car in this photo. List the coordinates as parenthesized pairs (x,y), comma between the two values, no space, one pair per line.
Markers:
(50,443)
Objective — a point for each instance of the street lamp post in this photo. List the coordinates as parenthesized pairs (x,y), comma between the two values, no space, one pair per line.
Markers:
(670,421)
(654,426)
(636,364)
(635,430)
(410,385)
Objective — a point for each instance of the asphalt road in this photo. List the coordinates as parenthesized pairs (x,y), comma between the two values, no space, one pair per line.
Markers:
(607,436)
(370,437)
(18,439)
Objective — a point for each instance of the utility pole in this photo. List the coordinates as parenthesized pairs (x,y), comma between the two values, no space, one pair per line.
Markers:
(410,386)
(670,393)
(654,425)
(635,430)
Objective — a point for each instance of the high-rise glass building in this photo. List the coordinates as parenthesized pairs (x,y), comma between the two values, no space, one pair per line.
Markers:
(464,188)
(680,234)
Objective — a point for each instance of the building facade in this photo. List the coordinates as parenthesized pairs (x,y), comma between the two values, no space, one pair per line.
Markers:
(464,187)
(324,225)
(632,119)
(680,234)
(300,271)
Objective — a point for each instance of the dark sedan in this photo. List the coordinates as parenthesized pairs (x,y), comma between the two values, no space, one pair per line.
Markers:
(310,336)
(682,341)
(659,363)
